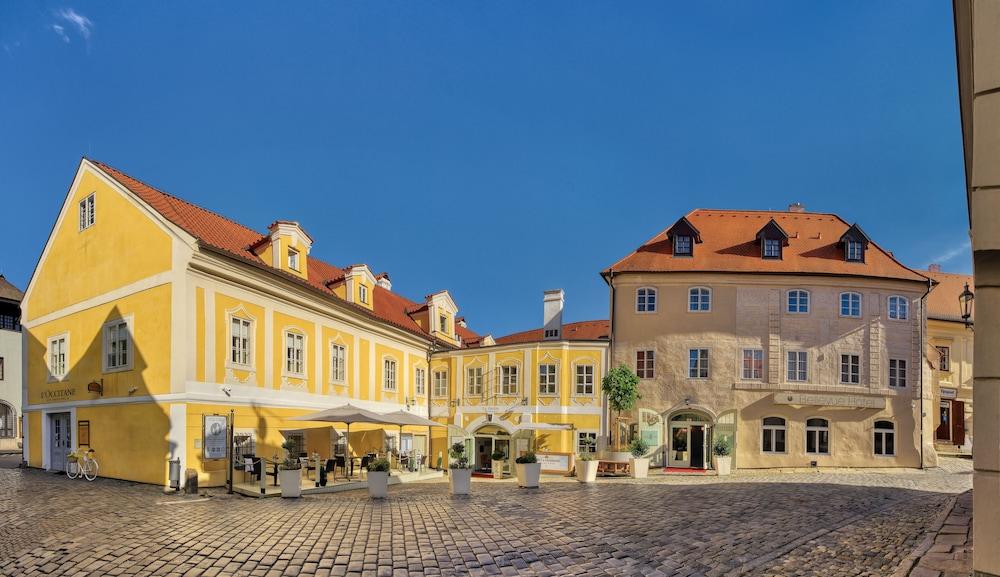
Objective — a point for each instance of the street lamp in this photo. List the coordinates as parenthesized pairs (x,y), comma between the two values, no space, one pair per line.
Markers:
(966,299)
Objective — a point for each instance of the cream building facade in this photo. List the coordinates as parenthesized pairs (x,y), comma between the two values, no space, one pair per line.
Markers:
(790,335)
(10,366)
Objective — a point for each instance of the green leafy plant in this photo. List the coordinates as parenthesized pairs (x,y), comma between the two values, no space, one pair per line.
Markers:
(721,447)
(290,463)
(638,447)
(585,457)
(378,465)
(498,456)
(458,460)
(621,386)
(526,458)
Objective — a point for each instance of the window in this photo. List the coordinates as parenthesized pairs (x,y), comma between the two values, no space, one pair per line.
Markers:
(117,346)
(440,384)
(682,245)
(897,373)
(7,420)
(295,351)
(293,259)
(87,212)
(551,333)
(585,379)
(898,308)
(945,355)
(546,379)
(773,440)
(474,381)
(420,381)
(1,368)
(772,248)
(850,305)
(363,294)
(753,364)
(645,300)
(855,251)
(698,363)
(798,366)
(443,324)
(818,436)
(508,380)
(239,341)
(338,363)
(58,353)
(644,364)
(850,369)
(389,374)
(586,442)
(9,323)
(798,301)
(885,438)
(699,299)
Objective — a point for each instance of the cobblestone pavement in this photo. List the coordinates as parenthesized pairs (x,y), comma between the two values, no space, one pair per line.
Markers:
(804,523)
(948,552)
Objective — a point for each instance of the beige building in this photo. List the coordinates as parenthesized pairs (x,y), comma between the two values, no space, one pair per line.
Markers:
(977,40)
(10,366)
(792,335)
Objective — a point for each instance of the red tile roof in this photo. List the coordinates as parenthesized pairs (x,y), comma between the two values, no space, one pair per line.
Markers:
(579,331)
(222,234)
(729,244)
(942,302)
(8,291)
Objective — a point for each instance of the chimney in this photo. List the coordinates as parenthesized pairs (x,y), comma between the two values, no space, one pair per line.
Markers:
(383,281)
(552,309)
(796,207)
(934,267)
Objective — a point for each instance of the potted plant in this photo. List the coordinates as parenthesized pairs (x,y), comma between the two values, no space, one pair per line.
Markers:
(290,473)
(586,468)
(459,471)
(639,464)
(528,470)
(378,478)
(496,464)
(723,460)
(72,460)
(621,386)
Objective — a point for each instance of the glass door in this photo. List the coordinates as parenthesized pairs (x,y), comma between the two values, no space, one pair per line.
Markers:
(503,445)
(679,456)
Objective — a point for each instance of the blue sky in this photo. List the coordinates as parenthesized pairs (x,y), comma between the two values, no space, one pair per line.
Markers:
(495,149)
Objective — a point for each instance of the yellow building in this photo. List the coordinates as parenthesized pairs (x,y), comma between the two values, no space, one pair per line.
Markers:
(147,314)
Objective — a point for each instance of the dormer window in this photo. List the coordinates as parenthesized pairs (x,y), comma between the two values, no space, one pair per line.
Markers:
(772,248)
(772,239)
(855,243)
(293,259)
(363,294)
(443,323)
(683,236)
(682,245)
(855,252)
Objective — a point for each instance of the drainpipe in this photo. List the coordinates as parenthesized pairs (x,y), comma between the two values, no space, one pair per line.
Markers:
(923,350)
(611,351)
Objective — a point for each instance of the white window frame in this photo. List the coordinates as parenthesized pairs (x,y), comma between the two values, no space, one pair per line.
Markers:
(440,390)
(768,242)
(700,363)
(799,294)
(443,323)
(876,432)
(690,245)
(645,300)
(509,384)
(390,374)
(107,367)
(248,365)
(771,450)
(580,371)
(88,211)
(299,336)
(589,434)
(338,363)
(853,367)
(852,255)
(896,379)
(474,381)
(363,293)
(49,350)
(293,259)
(754,354)
(704,295)
(547,379)
(649,358)
(898,308)
(849,295)
(798,361)
(419,380)
(816,430)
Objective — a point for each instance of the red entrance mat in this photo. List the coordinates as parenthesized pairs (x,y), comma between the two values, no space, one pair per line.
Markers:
(684,470)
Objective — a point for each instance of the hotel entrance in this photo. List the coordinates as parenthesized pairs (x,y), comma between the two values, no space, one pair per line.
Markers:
(487,440)
(690,435)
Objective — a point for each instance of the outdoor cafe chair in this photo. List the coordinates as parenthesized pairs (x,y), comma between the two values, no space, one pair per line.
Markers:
(306,464)
(364,465)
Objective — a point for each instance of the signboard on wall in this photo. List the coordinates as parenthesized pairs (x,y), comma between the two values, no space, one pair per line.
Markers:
(554,462)
(216,437)
(829,400)
(83,433)
(948,393)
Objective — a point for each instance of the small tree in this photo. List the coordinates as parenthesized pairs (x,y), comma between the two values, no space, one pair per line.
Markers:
(621,386)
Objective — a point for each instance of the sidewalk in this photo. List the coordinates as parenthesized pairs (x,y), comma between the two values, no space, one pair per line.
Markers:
(948,553)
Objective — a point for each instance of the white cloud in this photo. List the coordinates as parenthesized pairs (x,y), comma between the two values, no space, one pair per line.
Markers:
(960,250)
(83,25)
(61,32)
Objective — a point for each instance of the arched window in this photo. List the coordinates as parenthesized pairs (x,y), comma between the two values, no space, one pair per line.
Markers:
(818,436)
(899,308)
(885,438)
(850,305)
(773,440)
(798,301)
(645,300)
(699,299)
(8,421)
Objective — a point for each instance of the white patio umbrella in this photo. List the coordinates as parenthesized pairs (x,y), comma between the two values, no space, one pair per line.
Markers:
(407,418)
(346,414)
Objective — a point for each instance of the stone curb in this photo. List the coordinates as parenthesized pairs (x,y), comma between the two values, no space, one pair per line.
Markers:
(931,533)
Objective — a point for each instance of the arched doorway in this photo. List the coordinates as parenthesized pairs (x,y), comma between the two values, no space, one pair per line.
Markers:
(486,440)
(689,434)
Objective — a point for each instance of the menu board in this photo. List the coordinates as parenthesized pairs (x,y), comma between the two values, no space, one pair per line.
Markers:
(216,433)
(554,462)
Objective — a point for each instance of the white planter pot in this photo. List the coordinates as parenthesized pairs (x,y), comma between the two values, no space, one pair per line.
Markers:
(723,465)
(497,467)
(639,467)
(459,481)
(528,474)
(378,484)
(290,482)
(586,471)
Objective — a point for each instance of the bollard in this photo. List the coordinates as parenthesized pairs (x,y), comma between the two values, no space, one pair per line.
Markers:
(191,481)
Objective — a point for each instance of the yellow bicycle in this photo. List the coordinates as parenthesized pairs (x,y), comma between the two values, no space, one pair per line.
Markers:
(85,465)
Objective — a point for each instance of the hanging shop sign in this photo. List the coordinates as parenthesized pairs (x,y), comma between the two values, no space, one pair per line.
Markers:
(215,433)
(829,400)
(948,393)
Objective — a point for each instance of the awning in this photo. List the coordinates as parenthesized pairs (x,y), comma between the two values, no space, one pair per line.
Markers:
(546,427)
(346,414)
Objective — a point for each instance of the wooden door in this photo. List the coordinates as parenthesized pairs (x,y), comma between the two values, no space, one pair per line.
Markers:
(958,422)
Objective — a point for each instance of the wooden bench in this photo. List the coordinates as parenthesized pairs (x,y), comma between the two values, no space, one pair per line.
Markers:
(612,468)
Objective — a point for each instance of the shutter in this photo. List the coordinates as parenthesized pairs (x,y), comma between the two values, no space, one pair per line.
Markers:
(958,422)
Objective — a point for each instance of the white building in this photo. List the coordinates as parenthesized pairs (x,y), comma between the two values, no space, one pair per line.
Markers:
(10,366)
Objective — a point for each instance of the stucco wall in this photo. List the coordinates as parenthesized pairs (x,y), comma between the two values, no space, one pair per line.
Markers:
(10,386)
